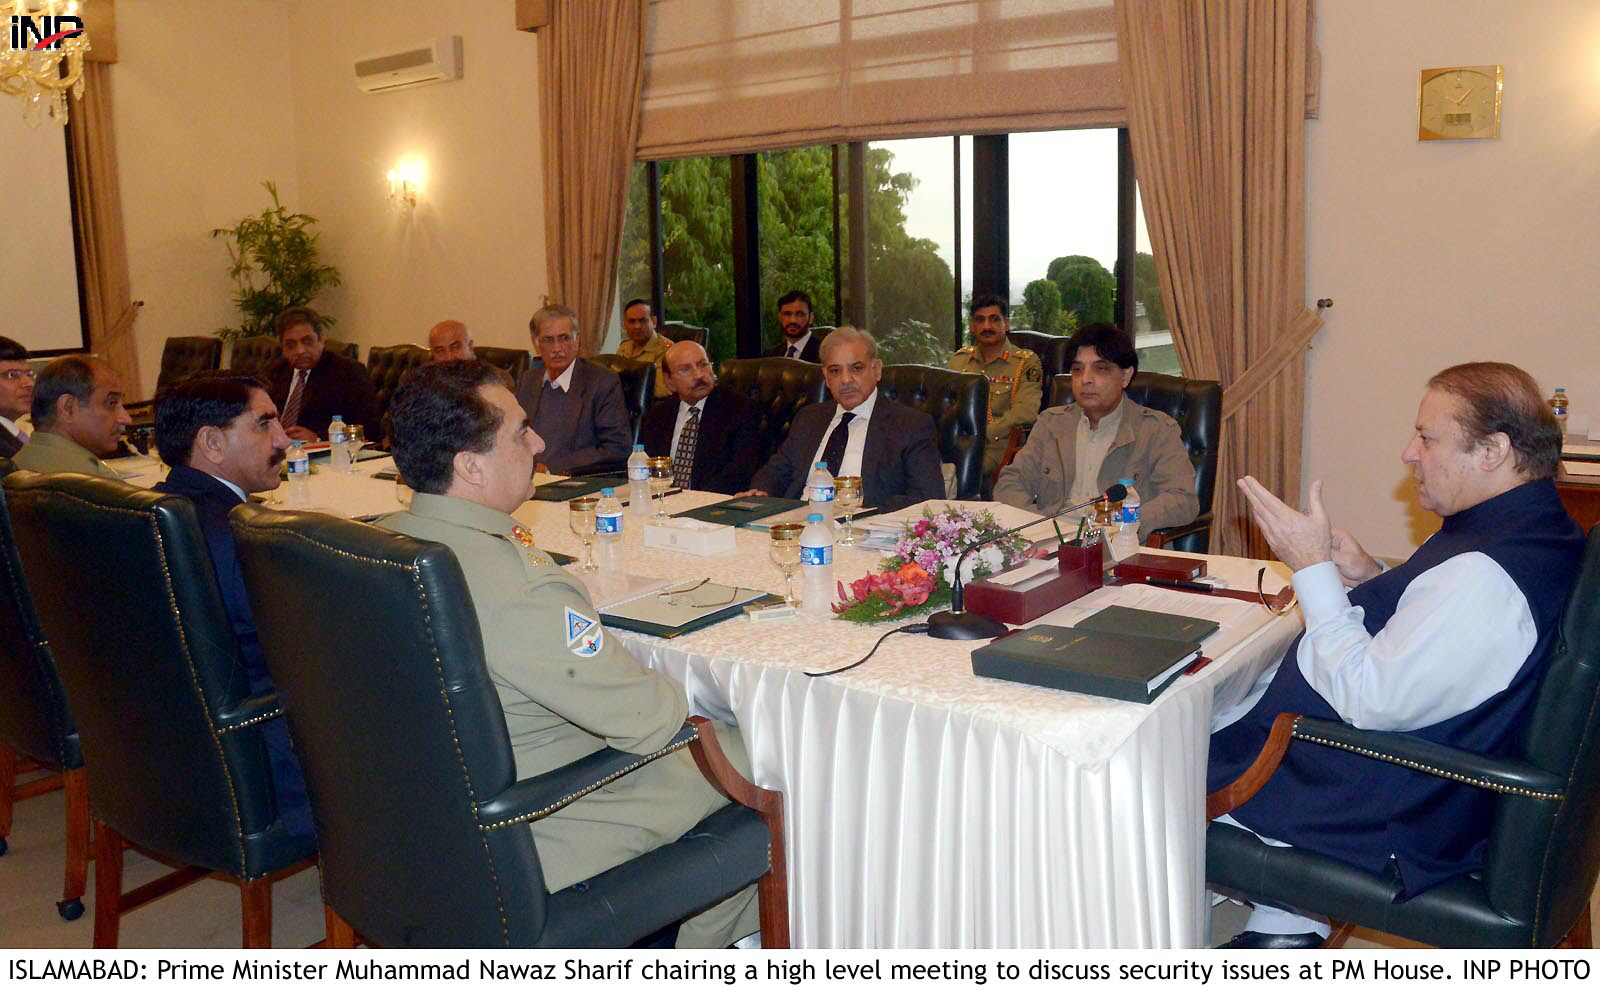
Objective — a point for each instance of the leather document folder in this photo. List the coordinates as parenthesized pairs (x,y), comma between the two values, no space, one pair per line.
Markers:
(1156,624)
(569,488)
(1086,661)
(738,511)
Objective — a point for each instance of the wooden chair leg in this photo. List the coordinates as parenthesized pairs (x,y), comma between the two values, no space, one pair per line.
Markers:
(1582,933)
(340,934)
(108,847)
(8,786)
(77,786)
(255,901)
(1340,934)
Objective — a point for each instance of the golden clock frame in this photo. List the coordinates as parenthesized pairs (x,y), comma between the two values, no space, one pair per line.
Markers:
(1427,75)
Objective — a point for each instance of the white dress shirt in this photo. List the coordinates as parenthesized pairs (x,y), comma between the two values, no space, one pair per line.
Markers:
(683,417)
(564,380)
(850,466)
(14,428)
(797,346)
(1093,443)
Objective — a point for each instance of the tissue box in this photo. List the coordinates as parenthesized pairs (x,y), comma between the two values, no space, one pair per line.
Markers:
(1076,573)
(690,536)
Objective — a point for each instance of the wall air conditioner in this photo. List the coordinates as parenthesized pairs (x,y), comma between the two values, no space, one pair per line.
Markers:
(436,62)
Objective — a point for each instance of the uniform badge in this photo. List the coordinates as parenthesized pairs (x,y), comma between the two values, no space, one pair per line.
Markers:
(585,635)
(1032,373)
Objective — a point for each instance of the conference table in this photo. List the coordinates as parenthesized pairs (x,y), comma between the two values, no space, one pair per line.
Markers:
(926,806)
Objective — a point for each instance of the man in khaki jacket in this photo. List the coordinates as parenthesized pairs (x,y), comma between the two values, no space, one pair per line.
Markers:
(567,686)
(77,418)
(1078,451)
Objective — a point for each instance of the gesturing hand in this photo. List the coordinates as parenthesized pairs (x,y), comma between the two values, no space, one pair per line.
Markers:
(1355,564)
(1299,539)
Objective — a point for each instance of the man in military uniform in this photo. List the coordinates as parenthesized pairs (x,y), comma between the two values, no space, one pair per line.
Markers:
(1016,377)
(568,688)
(77,418)
(641,342)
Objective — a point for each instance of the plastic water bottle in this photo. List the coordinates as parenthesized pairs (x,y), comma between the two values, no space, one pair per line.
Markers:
(339,443)
(638,481)
(1558,408)
(816,564)
(608,517)
(1125,541)
(819,491)
(299,464)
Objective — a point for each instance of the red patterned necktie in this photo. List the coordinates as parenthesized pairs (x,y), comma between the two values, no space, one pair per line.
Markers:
(291,407)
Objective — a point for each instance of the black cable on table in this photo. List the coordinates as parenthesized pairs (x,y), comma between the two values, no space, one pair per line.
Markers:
(913,627)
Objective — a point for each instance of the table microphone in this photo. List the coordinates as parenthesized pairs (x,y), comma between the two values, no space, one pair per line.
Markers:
(959,624)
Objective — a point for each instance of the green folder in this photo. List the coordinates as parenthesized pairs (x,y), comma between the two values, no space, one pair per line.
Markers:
(738,511)
(1156,624)
(1086,661)
(576,487)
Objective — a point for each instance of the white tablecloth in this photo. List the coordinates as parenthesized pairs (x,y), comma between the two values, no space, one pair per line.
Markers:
(927,807)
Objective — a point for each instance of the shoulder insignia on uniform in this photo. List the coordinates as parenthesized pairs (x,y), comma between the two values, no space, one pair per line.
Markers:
(522,536)
(964,350)
(1032,373)
(585,635)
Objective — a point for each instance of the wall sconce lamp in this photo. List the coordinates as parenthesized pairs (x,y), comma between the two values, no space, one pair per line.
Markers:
(403,184)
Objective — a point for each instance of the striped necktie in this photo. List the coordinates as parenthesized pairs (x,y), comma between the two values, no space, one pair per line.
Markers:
(683,456)
(291,406)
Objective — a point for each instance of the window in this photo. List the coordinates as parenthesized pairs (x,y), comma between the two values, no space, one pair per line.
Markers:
(911,247)
(1063,193)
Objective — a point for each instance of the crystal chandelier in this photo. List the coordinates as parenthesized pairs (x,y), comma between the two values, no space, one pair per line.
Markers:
(43,56)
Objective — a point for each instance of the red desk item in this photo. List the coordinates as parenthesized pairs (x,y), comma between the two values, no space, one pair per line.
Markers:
(1078,571)
(1137,567)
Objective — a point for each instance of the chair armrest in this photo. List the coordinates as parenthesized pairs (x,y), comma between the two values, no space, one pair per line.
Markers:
(538,797)
(251,711)
(1418,754)
(1172,533)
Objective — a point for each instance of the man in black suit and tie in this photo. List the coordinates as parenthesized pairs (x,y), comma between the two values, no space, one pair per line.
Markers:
(220,434)
(794,318)
(16,394)
(312,384)
(575,405)
(891,447)
(704,427)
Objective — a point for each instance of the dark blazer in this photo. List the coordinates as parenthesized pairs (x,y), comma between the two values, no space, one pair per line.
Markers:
(899,464)
(9,445)
(812,351)
(337,386)
(599,435)
(212,501)
(727,450)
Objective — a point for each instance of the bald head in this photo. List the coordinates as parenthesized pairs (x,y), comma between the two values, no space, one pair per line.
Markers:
(450,341)
(690,375)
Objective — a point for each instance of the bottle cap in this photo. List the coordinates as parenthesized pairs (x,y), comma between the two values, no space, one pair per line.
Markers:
(638,448)
(297,443)
(1560,391)
(814,517)
(1126,482)
(820,465)
(607,492)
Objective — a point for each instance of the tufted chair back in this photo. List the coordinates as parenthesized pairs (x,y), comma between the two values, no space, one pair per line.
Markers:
(638,385)
(251,355)
(350,350)
(508,359)
(958,401)
(779,387)
(678,332)
(183,356)
(163,706)
(1052,351)
(389,366)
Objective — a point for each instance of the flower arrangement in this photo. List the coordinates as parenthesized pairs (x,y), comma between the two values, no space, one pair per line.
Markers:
(919,575)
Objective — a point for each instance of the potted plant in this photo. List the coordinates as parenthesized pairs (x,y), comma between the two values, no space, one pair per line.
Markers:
(274,255)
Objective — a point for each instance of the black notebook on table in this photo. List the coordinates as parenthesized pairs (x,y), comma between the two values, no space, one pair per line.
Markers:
(738,511)
(576,487)
(1086,661)
(1156,624)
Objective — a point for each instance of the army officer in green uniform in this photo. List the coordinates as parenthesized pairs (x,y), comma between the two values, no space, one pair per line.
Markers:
(77,418)
(1015,375)
(568,688)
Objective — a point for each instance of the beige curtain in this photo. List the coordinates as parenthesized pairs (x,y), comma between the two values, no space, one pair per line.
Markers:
(591,56)
(103,250)
(1217,100)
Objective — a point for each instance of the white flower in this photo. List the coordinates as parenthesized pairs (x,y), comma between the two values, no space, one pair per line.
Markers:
(990,559)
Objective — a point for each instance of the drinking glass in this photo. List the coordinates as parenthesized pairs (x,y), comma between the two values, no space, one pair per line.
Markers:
(402,491)
(660,481)
(581,517)
(785,552)
(355,439)
(847,495)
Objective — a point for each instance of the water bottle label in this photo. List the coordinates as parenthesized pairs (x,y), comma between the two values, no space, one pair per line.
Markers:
(299,468)
(816,556)
(638,473)
(1130,514)
(608,523)
(820,494)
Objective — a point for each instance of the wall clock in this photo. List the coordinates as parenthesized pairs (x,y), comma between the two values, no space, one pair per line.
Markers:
(1458,103)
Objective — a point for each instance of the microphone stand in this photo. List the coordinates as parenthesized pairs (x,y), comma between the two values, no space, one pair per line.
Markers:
(958,623)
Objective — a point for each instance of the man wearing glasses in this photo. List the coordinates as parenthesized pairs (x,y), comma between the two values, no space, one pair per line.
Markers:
(574,404)
(16,395)
(703,426)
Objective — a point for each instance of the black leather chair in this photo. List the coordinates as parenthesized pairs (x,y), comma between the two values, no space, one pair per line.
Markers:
(678,332)
(1052,351)
(251,355)
(420,817)
(181,357)
(779,387)
(1543,849)
(638,385)
(176,766)
(1197,408)
(959,404)
(389,366)
(508,359)
(36,726)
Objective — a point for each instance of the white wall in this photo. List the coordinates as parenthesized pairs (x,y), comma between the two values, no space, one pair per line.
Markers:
(473,247)
(203,116)
(1445,251)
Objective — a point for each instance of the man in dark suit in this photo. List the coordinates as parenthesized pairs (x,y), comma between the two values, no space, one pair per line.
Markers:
(893,448)
(312,384)
(220,434)
(575,406)
(705,428)
(794,318)
(16,394)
